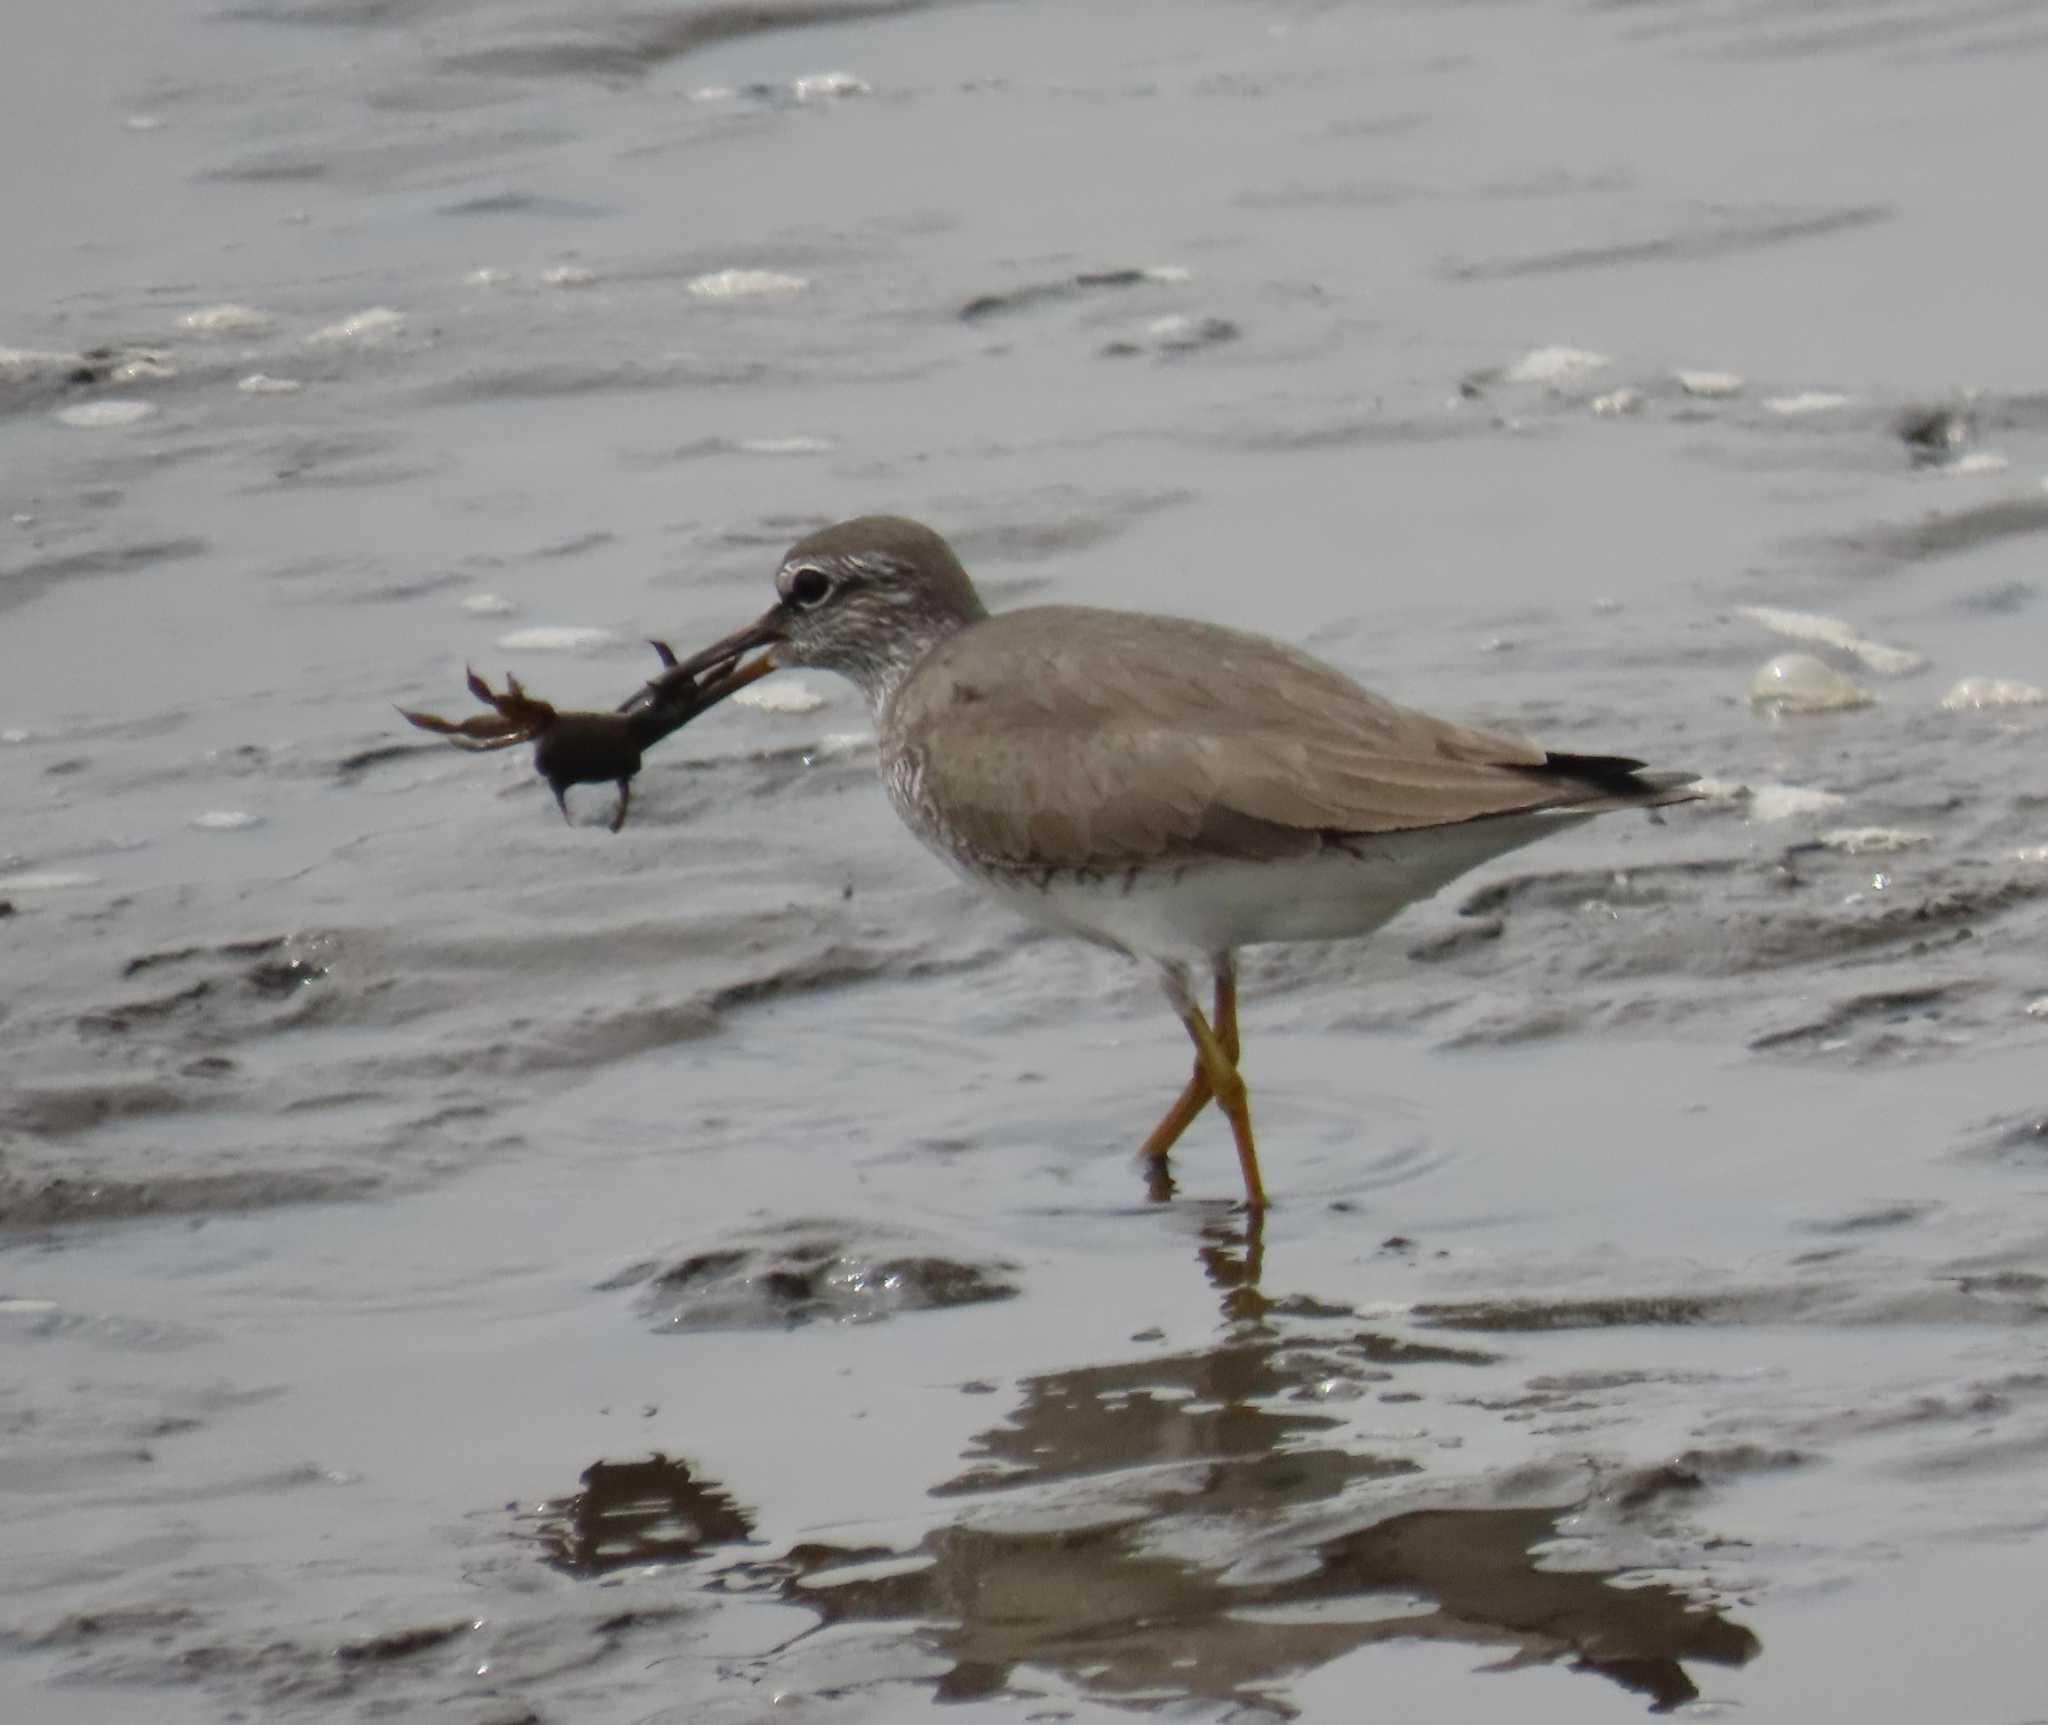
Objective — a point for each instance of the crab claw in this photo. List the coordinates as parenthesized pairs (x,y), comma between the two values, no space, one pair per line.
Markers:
(485,731)
(581,748)
(516,717)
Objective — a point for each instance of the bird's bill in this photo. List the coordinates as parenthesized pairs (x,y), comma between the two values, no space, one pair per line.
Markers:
(737,678)
(696,684)
(768,630)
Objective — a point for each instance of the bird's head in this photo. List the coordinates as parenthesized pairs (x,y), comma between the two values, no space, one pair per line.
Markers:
(867,598)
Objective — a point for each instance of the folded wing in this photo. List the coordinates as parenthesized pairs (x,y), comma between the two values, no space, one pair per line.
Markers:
(1107,739)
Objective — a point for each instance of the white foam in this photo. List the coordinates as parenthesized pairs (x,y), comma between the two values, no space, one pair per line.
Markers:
(746,284)
(825,86)
(487,277)
(1618,401)
(780,697)
(48,880)
(556,638)
(261,383)
(1874,841)
(20,364)
(99,415)
(1783,802)
(1555,365)
(371,325)
(569,276)
(1766,802)
(227,319)
(1833,632)
(1973,693)
(143,366)
(1709,385)
(488,605)
(1800,683)
(1807,401)
(1978,461)
(786,445)
(227,821)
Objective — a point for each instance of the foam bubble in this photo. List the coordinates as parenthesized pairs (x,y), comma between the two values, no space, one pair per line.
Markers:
(47,880)
(825,86)
(1873,841)
(99,415)
(1709,385)
(780,697)
(21,364)
(1766,802)
(227,320)
(371,325)
(1833,632)
(556,638)
(1973,693)
(1800,683)
(1807,401)
(1554,365)
(746,284)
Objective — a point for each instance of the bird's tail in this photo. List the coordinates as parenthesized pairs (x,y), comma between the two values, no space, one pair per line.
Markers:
(1614,782)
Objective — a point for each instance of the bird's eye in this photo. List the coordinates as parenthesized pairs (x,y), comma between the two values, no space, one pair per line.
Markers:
(808,587)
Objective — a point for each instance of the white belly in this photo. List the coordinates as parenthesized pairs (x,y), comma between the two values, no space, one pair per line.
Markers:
(1199,910)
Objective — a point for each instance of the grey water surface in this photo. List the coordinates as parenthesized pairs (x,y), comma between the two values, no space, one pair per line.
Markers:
(457,1265)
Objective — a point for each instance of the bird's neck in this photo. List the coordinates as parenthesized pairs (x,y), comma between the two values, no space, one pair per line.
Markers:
(880,673)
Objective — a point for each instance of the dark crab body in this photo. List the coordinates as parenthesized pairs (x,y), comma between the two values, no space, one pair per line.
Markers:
(586,748)
(589,749)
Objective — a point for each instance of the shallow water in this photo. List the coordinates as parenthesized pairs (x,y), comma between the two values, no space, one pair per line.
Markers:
(457,1264)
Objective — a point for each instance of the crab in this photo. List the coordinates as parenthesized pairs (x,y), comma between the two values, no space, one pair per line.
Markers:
(590,748)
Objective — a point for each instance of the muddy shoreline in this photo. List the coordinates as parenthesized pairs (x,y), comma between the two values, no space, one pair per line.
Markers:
(460,1264)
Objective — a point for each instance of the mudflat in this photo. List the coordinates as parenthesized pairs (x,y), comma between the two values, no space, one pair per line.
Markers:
(459,1264)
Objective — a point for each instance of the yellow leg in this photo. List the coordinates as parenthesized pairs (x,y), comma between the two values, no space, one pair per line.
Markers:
(1195,1097)
(1215,1077)
(1229,1091)
(1179,1117)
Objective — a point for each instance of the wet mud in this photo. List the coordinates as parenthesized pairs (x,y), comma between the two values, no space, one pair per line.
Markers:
(458,1262)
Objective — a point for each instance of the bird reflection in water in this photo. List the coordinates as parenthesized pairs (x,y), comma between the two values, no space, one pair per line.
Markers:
(631,1513)
(1201,1526)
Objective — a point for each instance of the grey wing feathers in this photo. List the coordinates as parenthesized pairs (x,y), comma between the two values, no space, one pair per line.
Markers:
(1110,739)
